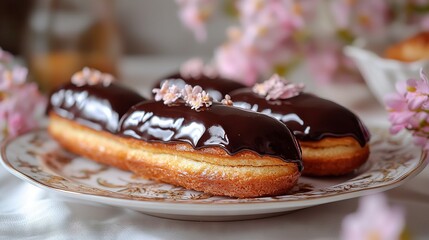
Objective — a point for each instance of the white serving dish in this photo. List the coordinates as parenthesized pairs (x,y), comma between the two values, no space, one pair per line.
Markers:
(382,74)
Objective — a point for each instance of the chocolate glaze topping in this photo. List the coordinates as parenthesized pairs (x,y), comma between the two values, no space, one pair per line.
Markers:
(216,87)
(228,127)
(95,106)
(309,117)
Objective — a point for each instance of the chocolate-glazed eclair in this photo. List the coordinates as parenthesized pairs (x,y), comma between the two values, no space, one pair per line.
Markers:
(190,141)
(194,72)
(333,139)
(84,116)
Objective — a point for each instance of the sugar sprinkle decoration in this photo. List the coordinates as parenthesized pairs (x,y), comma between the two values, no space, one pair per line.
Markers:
(278,88)
(195,68)
(195,97)
(90,76)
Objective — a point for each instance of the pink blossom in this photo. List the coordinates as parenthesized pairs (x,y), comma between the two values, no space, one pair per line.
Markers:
(189,92)
(195,97)
(323,64)
(285,91)
(160,92)
(13,76)
(194,14)
(17,123)
(266,30)
(328,64)
(202,99)
(266,18)
(277,88)
(375,219)
(195,68)
(192,68)
(89,76)
(21,108)
(236,62)
(172,95)
(408,109)
(418,91)
(21,103)
(168,93)
(211,71)
(399,114)
(227,100)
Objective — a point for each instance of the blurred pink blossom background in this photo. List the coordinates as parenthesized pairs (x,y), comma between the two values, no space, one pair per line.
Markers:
(374,219)
(274,36)
(21,104)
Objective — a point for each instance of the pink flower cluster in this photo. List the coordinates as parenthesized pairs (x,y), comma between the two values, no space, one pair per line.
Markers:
(89,76)
(264,39)
(195,97)
(195,67)
(409,109)
(194,14)
(351,19)
(327,63)
(278,88)
(276,35)
(21,103)
(375,219)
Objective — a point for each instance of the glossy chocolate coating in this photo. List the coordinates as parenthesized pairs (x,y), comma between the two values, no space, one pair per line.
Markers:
(309,117)
(228,127)
(216,87)
(95,106)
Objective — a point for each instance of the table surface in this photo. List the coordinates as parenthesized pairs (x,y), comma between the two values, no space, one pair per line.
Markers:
(31,213)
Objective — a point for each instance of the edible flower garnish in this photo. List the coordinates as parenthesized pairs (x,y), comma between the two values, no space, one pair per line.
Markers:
(227,100)
(167,93)
(90,76)
(195,97)
(278,88)
(195,68)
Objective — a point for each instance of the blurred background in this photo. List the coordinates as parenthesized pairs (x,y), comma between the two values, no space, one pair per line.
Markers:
(55,38)
(58,37)
(144,27)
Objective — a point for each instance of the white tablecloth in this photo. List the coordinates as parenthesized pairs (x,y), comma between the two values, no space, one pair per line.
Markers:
(27,212)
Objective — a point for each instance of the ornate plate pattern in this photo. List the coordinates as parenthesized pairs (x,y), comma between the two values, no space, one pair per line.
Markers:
(37,158)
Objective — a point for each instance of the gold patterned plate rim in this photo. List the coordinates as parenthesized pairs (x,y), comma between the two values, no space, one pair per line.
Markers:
(397,153)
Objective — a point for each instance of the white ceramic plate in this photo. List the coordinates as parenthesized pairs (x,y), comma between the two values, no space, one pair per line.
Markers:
(36,158)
